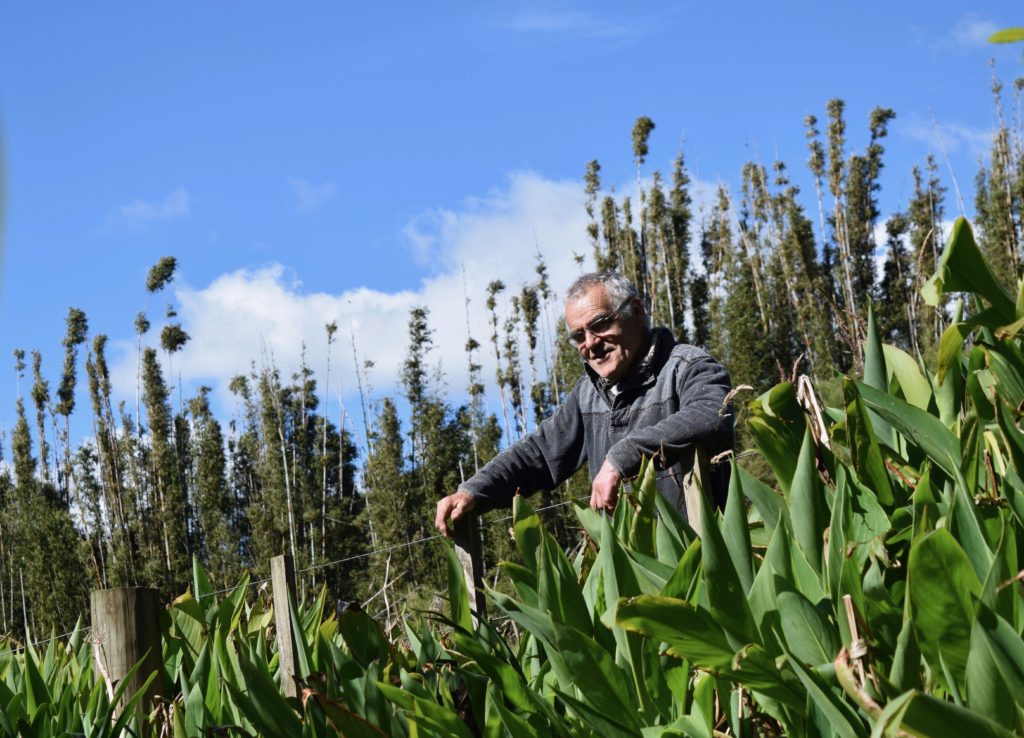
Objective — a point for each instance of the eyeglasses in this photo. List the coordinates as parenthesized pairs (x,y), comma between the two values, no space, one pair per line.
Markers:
(598,327)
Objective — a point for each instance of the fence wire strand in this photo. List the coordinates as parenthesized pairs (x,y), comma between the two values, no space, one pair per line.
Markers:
(425,539)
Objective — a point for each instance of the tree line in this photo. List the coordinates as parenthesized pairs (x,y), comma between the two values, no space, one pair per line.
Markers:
(778,288)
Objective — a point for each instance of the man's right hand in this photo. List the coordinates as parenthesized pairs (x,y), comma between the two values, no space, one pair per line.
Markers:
(454,507)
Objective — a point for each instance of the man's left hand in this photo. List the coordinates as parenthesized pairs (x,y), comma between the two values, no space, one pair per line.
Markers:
(604,492)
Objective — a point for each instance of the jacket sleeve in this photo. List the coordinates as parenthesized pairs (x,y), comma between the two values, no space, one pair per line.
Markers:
(704,416)
(540,460)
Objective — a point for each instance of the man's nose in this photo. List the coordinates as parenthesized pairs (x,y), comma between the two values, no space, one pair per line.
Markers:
(589,339)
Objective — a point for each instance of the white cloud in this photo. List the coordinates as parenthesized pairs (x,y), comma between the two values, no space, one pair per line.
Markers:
(576,23)
(245,315)
(139,212)
(946,137)
(973,31)
(310,196)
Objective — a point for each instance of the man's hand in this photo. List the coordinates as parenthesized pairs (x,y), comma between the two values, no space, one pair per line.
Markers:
(454,507)
(604,492)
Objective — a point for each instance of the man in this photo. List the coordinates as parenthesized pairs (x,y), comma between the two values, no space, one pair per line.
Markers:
(642,394)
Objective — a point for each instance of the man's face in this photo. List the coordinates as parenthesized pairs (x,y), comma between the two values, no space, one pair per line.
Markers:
(614,346)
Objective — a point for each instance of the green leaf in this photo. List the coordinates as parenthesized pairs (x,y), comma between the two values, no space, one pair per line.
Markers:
(599,681)
(840,715)
(727,598)
(866,453)
(925,715)
(768,502)
(683,580)
(1006,649)
(736,533)
(641,533)
(904,368)
(963,268)
(777,423)
(458,595)
(601,722)
(690,633)
(923,429)
(426,714)
(875,374)
(941,587)
(527,530)
(364,637)
(987,692)
(807,509)
(808,634)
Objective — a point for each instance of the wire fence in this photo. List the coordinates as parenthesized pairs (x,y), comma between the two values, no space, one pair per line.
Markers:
(436,536)
(364,555)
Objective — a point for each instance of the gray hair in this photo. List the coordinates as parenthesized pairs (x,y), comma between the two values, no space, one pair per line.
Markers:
(618,288)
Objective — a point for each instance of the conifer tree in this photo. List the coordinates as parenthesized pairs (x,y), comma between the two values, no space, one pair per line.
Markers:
(41,400)
(925,212)
(998,211)
(169,499)
(895,290)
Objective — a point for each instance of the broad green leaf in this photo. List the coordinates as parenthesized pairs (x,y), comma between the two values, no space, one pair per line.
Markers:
(425,713)
(941,586)
(1006,649)
(683,580)
(867,455)
(807,509)
(736,533)
(558,588)
(768,502)
(364,636)
(808,635)
(843,718)
(641,533)
(875,375)
(726,596)
(906,660)
(526,526)
(601,722)
(599,681)
(923,429)
(902,366)
(987,692)
(458,595)
(777,423)
(690,633)
(925,715)
(963,268)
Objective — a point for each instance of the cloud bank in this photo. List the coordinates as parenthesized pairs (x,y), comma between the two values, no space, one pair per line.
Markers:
(263,314)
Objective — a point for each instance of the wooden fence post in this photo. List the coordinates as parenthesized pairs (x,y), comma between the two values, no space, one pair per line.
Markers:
(466,537)
(282,580)
(126,629)
(696,483)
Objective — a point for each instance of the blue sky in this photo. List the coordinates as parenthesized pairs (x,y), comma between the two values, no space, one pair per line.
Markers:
(324,160)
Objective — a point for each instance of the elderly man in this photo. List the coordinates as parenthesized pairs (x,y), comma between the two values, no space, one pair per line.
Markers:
(642,394)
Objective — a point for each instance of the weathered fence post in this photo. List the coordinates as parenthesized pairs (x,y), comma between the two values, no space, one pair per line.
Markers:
(282,580)
(466,537)
(126,630)
(696,483)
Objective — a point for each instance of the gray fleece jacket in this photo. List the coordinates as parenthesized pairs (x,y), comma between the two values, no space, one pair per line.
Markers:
(674,398)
